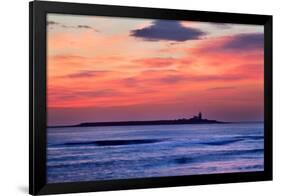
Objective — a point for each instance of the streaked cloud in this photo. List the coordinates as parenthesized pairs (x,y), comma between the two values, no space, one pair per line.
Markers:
(244,42)
(222,25)
(86,74)
(79,26)
(52,23)
(155,62)
(222,88)
(250,42)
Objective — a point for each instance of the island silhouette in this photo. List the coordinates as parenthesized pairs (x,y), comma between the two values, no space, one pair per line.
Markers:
(196,119)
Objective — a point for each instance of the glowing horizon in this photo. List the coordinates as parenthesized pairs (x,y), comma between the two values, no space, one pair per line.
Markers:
(120,69)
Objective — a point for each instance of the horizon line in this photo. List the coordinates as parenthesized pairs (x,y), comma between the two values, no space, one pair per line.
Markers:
(89,122)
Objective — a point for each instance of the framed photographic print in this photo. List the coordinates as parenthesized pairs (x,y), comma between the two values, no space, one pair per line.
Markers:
(130,97)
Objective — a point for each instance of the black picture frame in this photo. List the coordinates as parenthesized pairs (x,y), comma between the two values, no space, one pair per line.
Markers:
(37,100)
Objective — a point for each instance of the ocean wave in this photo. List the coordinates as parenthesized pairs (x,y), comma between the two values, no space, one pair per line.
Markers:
(231,154)
(250,137)
(112,142)
(161,160)
(221,142)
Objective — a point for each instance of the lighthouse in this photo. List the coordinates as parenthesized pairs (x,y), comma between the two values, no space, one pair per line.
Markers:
(200,116)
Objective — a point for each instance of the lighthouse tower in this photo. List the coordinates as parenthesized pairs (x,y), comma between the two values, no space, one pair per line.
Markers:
(200,116)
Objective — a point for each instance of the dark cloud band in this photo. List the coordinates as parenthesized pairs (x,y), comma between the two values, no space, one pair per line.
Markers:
(167,30)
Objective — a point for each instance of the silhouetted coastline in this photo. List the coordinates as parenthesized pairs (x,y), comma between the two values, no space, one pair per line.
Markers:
(194,120)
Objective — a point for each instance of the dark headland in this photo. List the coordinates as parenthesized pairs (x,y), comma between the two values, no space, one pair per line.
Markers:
(194,120)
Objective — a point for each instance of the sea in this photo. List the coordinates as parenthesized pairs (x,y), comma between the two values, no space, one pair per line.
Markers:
(126,152)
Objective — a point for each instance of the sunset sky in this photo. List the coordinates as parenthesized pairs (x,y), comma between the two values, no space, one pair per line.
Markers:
(120,69)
